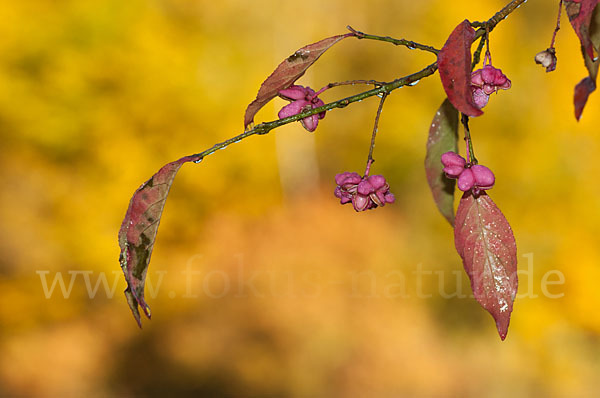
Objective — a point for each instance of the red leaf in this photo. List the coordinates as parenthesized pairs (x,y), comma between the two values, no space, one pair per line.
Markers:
(138,232)
(454,64)
(443,137)
(288,72)
(485,241)
(582,91)
(580,15)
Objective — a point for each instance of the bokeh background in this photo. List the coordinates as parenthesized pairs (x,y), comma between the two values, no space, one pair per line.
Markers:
(262,284)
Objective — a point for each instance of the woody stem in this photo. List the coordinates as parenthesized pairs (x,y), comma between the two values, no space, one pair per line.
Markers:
(370,159)
(557,24)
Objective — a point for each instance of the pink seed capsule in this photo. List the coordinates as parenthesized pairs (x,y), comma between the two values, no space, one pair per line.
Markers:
(484,178)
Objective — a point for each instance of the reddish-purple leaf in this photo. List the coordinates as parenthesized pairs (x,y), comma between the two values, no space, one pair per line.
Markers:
(454,64)
(580,15)
(586,22)
(138,232)
(443,137)
(582,91)
(288,72)
(485,242)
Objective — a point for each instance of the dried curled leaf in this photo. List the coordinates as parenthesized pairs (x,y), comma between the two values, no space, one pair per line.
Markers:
(454,64)
(486,244)
(287,72)
(138,232)
(443,137)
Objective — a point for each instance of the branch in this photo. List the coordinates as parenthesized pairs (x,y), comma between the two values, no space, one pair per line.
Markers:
(138,230)
(265,128)
(349,83)
(384,89)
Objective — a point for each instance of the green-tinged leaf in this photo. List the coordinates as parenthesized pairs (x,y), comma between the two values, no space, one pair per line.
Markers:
(138,232)
(443,137)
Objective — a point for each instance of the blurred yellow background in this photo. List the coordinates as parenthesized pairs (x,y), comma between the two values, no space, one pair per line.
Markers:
(262,284)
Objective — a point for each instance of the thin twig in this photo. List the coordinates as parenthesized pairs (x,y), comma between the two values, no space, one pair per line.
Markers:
(353,82)
(488,55)
(265,128)
(477,53)
(370,159)
(349,83)
(398,42)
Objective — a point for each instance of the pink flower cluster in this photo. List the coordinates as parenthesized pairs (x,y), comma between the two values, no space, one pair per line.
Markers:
(303,98)
(486,81)
(365,193)
(475,177)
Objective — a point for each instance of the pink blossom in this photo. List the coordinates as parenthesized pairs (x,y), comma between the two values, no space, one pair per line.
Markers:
(365,193)
(303,98)
(486,81)
(475,177)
